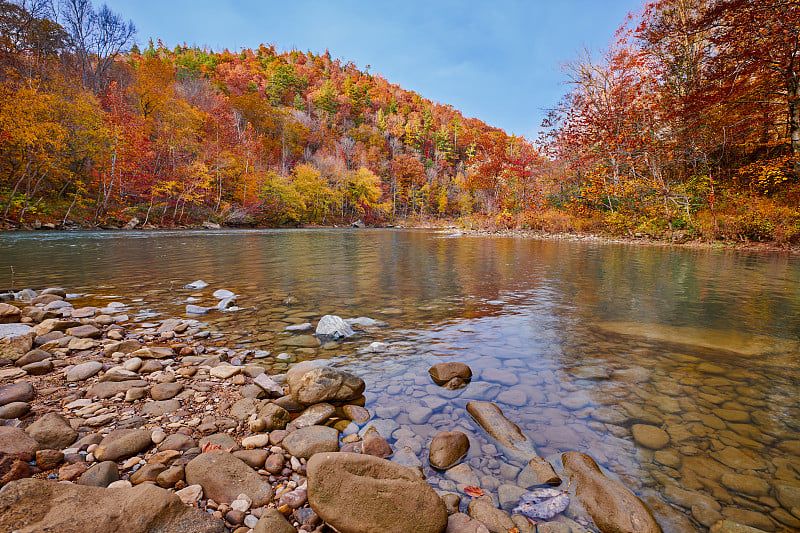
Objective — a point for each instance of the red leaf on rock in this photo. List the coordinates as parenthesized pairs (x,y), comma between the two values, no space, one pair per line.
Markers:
(209,447)
(473,491)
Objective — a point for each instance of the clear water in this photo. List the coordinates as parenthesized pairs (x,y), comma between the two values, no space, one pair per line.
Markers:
(591,338)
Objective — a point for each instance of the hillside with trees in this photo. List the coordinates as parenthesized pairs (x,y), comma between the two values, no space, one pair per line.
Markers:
(97,130)
(687,126)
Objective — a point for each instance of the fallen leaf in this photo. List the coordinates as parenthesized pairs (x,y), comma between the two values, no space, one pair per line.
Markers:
(542,503)
(210,447)
(473,491)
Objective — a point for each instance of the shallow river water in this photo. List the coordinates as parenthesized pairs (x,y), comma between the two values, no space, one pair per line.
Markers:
(577,343)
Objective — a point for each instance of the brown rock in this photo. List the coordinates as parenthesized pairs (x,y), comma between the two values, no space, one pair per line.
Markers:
(312,382)
(86,331)
(447,449)
(17,392)
(253,458)
(357,493)
(441,373)
(612,507)
(274,416)
(72,471)
(309,440)
(493,518)
(272,521)
(52,431)
(9,313)
(148,472)
(165,391)
(169,477)
(122,443)
(377,446)
(48,459)
(33,505)
(504,431)
(100,475)
(223,477)
(12,468)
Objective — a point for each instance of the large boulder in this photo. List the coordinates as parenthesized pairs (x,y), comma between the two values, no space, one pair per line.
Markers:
(15,340)
(357,493)
(313,382)
(34,505)
(613,508)
(333,327)
(52,431)
(507,434)
(223,477)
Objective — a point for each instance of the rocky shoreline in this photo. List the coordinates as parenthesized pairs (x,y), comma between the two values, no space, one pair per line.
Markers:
(678,238)
(109,425)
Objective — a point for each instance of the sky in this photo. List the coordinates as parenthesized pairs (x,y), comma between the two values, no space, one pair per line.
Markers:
(498,61)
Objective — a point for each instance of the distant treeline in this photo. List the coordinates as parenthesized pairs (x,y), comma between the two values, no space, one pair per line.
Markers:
(688,125)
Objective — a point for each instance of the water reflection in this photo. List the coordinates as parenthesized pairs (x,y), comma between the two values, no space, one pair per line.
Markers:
(578,343)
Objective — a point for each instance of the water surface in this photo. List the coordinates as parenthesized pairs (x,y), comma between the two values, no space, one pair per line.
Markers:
(577,342)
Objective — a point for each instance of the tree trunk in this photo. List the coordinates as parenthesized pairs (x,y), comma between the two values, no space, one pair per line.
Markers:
(793,90)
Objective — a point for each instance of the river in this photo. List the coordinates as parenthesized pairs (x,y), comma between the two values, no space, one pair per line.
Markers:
(577,342)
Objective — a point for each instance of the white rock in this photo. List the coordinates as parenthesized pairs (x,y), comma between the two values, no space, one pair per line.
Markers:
(7,374)
(240,505)
(261,354)
(377,347)
(15,340)
(130,463)
(225,371)
(84,370)
(227,303)
(158,436)
(196,309)
(190,494)
(221,294)
(77,404)
(299,327)
(133,364)
(196,285)
(120,484)
(266,383)
(333,326)
(250,521)
(361,321)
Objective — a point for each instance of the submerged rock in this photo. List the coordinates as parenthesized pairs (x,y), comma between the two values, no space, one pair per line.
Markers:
(503,430)
(196,285)
(334,327)
(442,373)
(448,448)
(612,507)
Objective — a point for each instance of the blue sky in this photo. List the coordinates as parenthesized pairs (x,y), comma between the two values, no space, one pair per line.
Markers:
(497,61)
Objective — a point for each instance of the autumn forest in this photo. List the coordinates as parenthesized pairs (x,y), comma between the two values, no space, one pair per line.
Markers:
(687,126)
